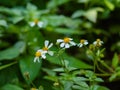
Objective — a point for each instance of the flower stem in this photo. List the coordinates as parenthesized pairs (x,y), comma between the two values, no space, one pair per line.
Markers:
(7,65)
(105,65)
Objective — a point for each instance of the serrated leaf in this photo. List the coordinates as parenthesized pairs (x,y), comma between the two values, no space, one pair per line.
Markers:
(28,68)
(9,53)
(115,61)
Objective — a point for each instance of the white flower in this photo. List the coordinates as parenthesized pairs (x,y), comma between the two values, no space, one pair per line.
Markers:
(82,42)
(36,22)
(98,42)
(47,47)
(66,42)
(39,54)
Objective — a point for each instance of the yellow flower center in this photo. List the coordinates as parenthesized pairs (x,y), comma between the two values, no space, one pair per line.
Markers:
(45,49)
(38,54)
(66,40)
(82,41)
(36,21)
(33,89)
(98,40)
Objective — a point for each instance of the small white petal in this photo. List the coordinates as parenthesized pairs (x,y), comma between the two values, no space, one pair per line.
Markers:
(67,45)
(40,24)
(62,44)
(95,43)
(46,43)
(70,38)
(50,53)
(80,45)
(59,40)
(72,43)
(43,56)
(32,24)
(36,59)
(50,45)
(40,50)
(102,42)
(86,43)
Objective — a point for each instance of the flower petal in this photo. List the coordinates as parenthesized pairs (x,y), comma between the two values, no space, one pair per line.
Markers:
(32,24)
(43,56)
(46,43)
(67,45)
(72,43)
(62,44)
(86,42)
(40,24)
(59,40)
(36,59)
(50,53)
(50,45)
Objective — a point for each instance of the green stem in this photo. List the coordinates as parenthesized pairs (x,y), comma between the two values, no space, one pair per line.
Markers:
(7,65)
(95,61)
(100,69)
(105,65)
(103,75)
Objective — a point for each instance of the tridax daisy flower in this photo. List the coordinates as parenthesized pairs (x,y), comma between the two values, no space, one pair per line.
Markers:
(40,54)
(36,22)
(66,42)
(98,42)
(47,47)
(82,42)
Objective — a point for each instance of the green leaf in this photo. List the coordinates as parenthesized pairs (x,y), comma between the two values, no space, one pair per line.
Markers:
(17,19)
(77,87)
(10,87)
(28,68)
(31,7)
(67,85)
(55,3)
(9,53)
(73,62)
(109,4)
(3,23)
(97,87)
(91,15)
(112,77)
(115,61)
(21,45)
(66,30)
(78,13)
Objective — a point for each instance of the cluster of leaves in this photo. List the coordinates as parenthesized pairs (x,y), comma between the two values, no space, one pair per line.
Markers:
(89,19)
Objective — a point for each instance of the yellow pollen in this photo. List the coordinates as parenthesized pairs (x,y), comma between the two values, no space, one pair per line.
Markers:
(66,40)
(45,49)
(36,21)
(82,41)
(33,89)
(38,54)
(98,40)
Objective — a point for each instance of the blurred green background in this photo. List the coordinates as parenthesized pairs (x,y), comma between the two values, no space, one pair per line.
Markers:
(78,19)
